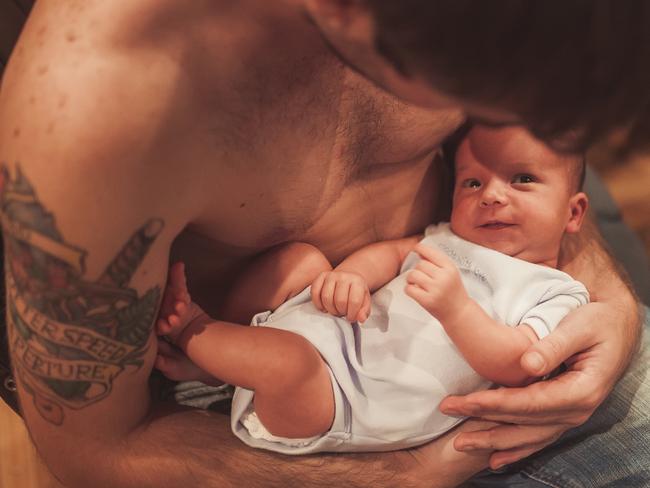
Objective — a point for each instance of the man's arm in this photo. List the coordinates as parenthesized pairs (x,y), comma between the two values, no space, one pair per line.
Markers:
(88,218)
(596,342)
(82,349)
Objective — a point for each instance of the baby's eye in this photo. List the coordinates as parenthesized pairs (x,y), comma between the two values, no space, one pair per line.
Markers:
(523,178)
(471,183)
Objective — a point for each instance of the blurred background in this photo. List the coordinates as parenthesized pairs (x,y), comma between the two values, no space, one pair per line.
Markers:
(628,183)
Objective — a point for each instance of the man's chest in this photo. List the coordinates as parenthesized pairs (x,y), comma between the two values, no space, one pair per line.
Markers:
(352,168)
(358,172)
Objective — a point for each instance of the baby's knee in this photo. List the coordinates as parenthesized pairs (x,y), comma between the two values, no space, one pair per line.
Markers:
(305,259)
(298,264)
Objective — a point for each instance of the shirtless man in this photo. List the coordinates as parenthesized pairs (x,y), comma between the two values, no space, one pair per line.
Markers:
(107,108)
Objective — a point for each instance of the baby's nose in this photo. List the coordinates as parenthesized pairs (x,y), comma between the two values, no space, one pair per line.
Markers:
(494,193)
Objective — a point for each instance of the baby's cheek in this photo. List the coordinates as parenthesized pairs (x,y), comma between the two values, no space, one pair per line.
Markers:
(459,219)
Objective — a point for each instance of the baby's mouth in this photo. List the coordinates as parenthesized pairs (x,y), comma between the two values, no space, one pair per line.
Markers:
(495,225)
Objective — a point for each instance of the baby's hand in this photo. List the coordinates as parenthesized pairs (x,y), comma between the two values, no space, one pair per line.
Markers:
(435,284)
(177,310)
(342,294)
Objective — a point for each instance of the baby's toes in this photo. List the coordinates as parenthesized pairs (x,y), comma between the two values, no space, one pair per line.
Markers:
(180,308)
(163,327)
(174,322)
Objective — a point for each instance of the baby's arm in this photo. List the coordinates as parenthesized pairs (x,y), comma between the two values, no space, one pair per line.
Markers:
(345,291)
(493,349)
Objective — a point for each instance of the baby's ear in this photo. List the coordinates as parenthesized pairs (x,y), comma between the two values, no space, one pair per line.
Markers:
(578,205)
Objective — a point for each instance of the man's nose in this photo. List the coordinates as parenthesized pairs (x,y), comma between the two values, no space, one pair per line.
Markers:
(494,194)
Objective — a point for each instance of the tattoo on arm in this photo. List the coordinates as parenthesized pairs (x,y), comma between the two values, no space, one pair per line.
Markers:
(70,337)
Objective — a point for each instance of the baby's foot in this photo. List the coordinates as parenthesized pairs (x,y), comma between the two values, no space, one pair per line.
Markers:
(177,309)
(176,366)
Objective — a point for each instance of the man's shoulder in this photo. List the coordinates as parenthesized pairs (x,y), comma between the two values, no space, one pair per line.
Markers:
(77,106)
(72,88)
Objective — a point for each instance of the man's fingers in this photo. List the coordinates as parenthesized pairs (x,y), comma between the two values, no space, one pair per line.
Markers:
(503,458)
(511,442)
(558,400)
(506,437)
(546,355)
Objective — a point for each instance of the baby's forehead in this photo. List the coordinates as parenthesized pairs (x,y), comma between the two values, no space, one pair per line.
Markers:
(512,145)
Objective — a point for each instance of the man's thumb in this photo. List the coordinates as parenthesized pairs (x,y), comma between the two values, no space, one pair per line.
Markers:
(546,355)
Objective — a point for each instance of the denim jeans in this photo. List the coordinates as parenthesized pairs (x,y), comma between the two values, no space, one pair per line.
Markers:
(612,449)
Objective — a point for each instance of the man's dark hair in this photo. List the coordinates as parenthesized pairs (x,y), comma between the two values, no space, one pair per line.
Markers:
(574,68)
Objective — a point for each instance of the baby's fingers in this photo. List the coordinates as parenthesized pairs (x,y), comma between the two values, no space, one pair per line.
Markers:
(355,302)
(341,295)
(316,290)
(434,256)
(327,297)
(364,311)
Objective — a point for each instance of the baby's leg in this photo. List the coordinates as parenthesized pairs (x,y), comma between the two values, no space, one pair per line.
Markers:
(272,279)
(293,390)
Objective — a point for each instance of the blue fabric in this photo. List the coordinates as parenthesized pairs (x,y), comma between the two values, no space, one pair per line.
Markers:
(611,450)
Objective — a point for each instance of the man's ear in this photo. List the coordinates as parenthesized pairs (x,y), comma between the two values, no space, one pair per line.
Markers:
(578,205)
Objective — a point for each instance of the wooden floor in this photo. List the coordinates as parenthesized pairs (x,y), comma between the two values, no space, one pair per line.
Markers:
(20,466)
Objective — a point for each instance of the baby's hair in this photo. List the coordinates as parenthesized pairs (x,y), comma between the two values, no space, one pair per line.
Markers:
(579,172)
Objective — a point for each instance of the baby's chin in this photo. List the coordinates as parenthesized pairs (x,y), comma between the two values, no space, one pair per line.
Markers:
(504,245)
(519,251)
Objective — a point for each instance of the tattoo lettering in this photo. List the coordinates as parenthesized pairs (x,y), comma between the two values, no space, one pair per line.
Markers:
(69,337)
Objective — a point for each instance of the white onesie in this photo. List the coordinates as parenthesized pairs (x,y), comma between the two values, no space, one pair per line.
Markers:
(390,373)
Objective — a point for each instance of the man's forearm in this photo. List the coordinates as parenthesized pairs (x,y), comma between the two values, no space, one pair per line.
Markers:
(585,257)
(179,447)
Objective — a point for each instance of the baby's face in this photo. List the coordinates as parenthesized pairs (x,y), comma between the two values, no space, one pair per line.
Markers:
(514,195)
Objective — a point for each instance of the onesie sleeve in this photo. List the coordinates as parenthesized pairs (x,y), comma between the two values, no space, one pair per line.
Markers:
(558,300)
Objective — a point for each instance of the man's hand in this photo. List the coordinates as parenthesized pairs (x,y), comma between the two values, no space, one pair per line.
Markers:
(342,294)
(535,416)
(435,284)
